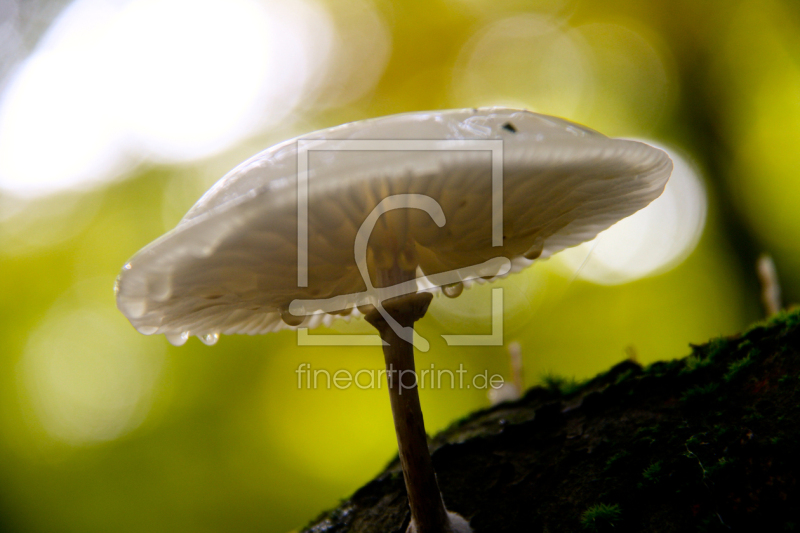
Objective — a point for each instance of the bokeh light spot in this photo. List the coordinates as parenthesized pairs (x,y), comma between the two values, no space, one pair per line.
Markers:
(168,80)
(526,61)
(360,50)
(88,377)
(630,84)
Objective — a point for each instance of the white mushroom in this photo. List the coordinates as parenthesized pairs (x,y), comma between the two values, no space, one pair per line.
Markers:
(267,249)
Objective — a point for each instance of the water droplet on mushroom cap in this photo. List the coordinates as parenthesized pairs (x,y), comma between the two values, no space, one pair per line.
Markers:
(365,308)
(147,330)
(535,251)
(453,290)
(291,320)
(209,339)
(132,308)
(178,339)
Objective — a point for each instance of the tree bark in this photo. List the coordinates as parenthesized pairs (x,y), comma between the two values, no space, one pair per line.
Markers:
(704,443)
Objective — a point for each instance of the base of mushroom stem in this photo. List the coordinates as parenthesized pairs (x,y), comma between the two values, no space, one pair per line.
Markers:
(458,524)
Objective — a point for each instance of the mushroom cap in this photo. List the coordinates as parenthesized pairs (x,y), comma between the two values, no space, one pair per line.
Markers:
(231,264)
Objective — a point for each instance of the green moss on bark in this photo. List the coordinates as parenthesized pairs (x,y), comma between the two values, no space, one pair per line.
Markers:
(703,443)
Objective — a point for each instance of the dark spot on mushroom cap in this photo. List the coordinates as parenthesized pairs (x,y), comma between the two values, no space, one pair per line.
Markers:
(509,127)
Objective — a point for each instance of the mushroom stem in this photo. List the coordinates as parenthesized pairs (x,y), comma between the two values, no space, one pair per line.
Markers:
(428,514)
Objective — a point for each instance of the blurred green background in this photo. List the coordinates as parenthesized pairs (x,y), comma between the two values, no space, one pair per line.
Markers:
(116,116)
